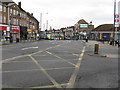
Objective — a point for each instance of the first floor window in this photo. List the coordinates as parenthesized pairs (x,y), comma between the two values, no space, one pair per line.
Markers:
(4,19)
(0,19)
(0,7)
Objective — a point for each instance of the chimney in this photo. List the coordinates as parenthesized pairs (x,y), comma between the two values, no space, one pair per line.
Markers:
(91,23)
(19,4)
(32,14)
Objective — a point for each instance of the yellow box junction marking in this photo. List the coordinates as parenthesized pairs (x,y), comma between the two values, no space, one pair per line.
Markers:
(60,58)
(74,75)
(50,86)
(49,69)
(44,71)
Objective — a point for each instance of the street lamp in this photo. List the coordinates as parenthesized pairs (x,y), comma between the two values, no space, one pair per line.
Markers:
(41,19)
(11,38)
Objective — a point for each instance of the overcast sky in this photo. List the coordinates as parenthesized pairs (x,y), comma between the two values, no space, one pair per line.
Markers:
(63,13)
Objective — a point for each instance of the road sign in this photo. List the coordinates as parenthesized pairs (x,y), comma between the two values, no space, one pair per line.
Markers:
(117,20)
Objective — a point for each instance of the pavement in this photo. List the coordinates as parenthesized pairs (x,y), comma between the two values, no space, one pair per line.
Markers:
(60,64)
(99,71)
(14,42)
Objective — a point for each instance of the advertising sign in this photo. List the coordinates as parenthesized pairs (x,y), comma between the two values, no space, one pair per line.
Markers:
(84,25)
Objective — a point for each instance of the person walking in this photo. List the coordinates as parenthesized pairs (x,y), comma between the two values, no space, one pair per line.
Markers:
(86,38)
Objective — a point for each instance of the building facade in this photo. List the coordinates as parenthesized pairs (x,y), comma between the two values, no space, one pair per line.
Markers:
(83,28)
(104,32)
(16,22)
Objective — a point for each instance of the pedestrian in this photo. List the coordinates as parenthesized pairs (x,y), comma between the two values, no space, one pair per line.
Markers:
(118,42)
(86,38)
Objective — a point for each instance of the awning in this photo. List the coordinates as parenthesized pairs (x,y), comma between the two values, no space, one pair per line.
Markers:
(3,28)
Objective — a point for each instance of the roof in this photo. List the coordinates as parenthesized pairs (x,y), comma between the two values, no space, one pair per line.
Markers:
(82,21)
(6,1)
(104,27)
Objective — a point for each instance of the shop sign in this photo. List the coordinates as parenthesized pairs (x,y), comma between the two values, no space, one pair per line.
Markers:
(15,29)
(3,28)
(29,30)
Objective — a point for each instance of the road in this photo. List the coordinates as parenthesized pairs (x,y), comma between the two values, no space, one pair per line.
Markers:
(52,64)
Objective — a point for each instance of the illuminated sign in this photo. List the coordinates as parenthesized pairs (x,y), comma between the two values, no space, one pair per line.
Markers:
(84,25)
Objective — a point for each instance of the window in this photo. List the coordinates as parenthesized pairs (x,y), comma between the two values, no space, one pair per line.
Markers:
(33,27)
(20,22)
(4,9)
(14,12)
(17,21)
(4,19)
(0,7)
(28,25)
(11,11)
(0,19)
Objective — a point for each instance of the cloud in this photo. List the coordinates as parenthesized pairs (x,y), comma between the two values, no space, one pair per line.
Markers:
(68,12)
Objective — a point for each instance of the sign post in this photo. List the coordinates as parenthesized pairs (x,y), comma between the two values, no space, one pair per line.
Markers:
(116,26)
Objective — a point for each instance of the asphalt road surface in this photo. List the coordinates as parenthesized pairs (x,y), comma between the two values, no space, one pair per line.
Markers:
(49,64)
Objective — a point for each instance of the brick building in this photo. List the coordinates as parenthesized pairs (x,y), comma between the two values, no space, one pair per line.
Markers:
(83,27)
(16,22)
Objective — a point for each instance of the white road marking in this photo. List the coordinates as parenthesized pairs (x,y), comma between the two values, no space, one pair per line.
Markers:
(30,48)
(13,58)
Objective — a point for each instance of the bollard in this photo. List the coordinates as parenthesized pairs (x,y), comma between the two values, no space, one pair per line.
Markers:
(96,49)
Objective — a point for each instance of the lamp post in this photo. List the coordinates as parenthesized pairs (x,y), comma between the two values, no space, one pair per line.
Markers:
(11,38)
(41,20)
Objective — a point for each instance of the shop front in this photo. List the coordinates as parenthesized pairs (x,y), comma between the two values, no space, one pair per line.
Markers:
(15,32)
(31,34)
(3,32)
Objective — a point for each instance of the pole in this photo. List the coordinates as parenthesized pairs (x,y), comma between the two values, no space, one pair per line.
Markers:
(114,19)
(41,21)
(11,38)
(47,25)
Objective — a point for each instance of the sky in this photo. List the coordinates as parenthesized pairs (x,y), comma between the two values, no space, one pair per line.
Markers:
(64,13)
